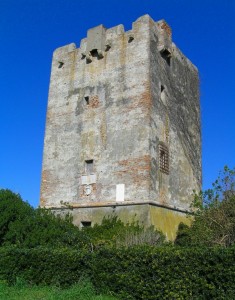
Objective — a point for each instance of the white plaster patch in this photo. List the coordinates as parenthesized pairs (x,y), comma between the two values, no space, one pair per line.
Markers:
(120,191)
(88,179)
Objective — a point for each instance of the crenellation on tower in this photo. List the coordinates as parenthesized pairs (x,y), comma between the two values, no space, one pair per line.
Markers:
(123,128)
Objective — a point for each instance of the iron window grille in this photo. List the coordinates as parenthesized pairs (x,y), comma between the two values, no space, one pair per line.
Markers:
(164,158)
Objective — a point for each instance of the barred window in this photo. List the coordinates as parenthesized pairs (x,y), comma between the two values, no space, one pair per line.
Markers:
(163,158)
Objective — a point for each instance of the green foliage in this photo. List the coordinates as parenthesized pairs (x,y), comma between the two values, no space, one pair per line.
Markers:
(214,223)
(48,229)
(13,211)
(140,272)
(122,258)
(83,290)
(113,232)
(23,226)
(167,273)
(223,189)
(60,267)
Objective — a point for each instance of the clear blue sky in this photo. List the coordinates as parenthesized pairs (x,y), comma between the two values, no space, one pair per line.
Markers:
(31,29)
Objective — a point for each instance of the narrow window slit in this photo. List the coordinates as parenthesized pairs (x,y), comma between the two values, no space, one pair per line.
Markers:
(130,39)
(163,94)
(166,55)
(87,100)
(60,64)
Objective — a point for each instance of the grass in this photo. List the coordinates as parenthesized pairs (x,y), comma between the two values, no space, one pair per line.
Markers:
(22,291)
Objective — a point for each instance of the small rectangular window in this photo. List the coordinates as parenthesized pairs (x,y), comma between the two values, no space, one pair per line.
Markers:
(60,64)
(89,166)
(85,224)
(87,100)
(166,55)
(163,158)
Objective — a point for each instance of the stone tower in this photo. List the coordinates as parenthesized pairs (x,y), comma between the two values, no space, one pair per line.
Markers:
(123,130)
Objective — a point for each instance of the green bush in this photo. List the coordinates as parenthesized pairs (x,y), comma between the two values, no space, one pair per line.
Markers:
(23,226)
(114,233)
(166,273)
(141,272)
(14,211)
(61,267)
(26,227)
(214,215)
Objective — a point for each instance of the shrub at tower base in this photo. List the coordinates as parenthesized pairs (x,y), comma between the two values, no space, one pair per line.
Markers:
(141,272)
(214,215)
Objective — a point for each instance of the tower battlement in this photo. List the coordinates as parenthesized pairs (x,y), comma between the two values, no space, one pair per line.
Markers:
(123,127)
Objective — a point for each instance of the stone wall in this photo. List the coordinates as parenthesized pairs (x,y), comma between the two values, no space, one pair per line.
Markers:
(99,111)
(123,124)
(175,121)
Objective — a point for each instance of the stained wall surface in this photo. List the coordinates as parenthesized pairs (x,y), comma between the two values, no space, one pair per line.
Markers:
(118,105)
(174,121)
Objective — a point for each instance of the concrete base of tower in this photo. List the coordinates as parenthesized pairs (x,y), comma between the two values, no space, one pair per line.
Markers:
(165,219)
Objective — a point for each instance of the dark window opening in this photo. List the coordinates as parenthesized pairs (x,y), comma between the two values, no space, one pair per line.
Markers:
(89,166)
(107,47)
(97,53)
(130,39)
(87,100)
(85,224)
(166,55)
(60,64)
(94,53)
(163,94)
(163,158)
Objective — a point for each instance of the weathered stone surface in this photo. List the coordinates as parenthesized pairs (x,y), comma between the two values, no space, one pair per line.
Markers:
(113,102)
